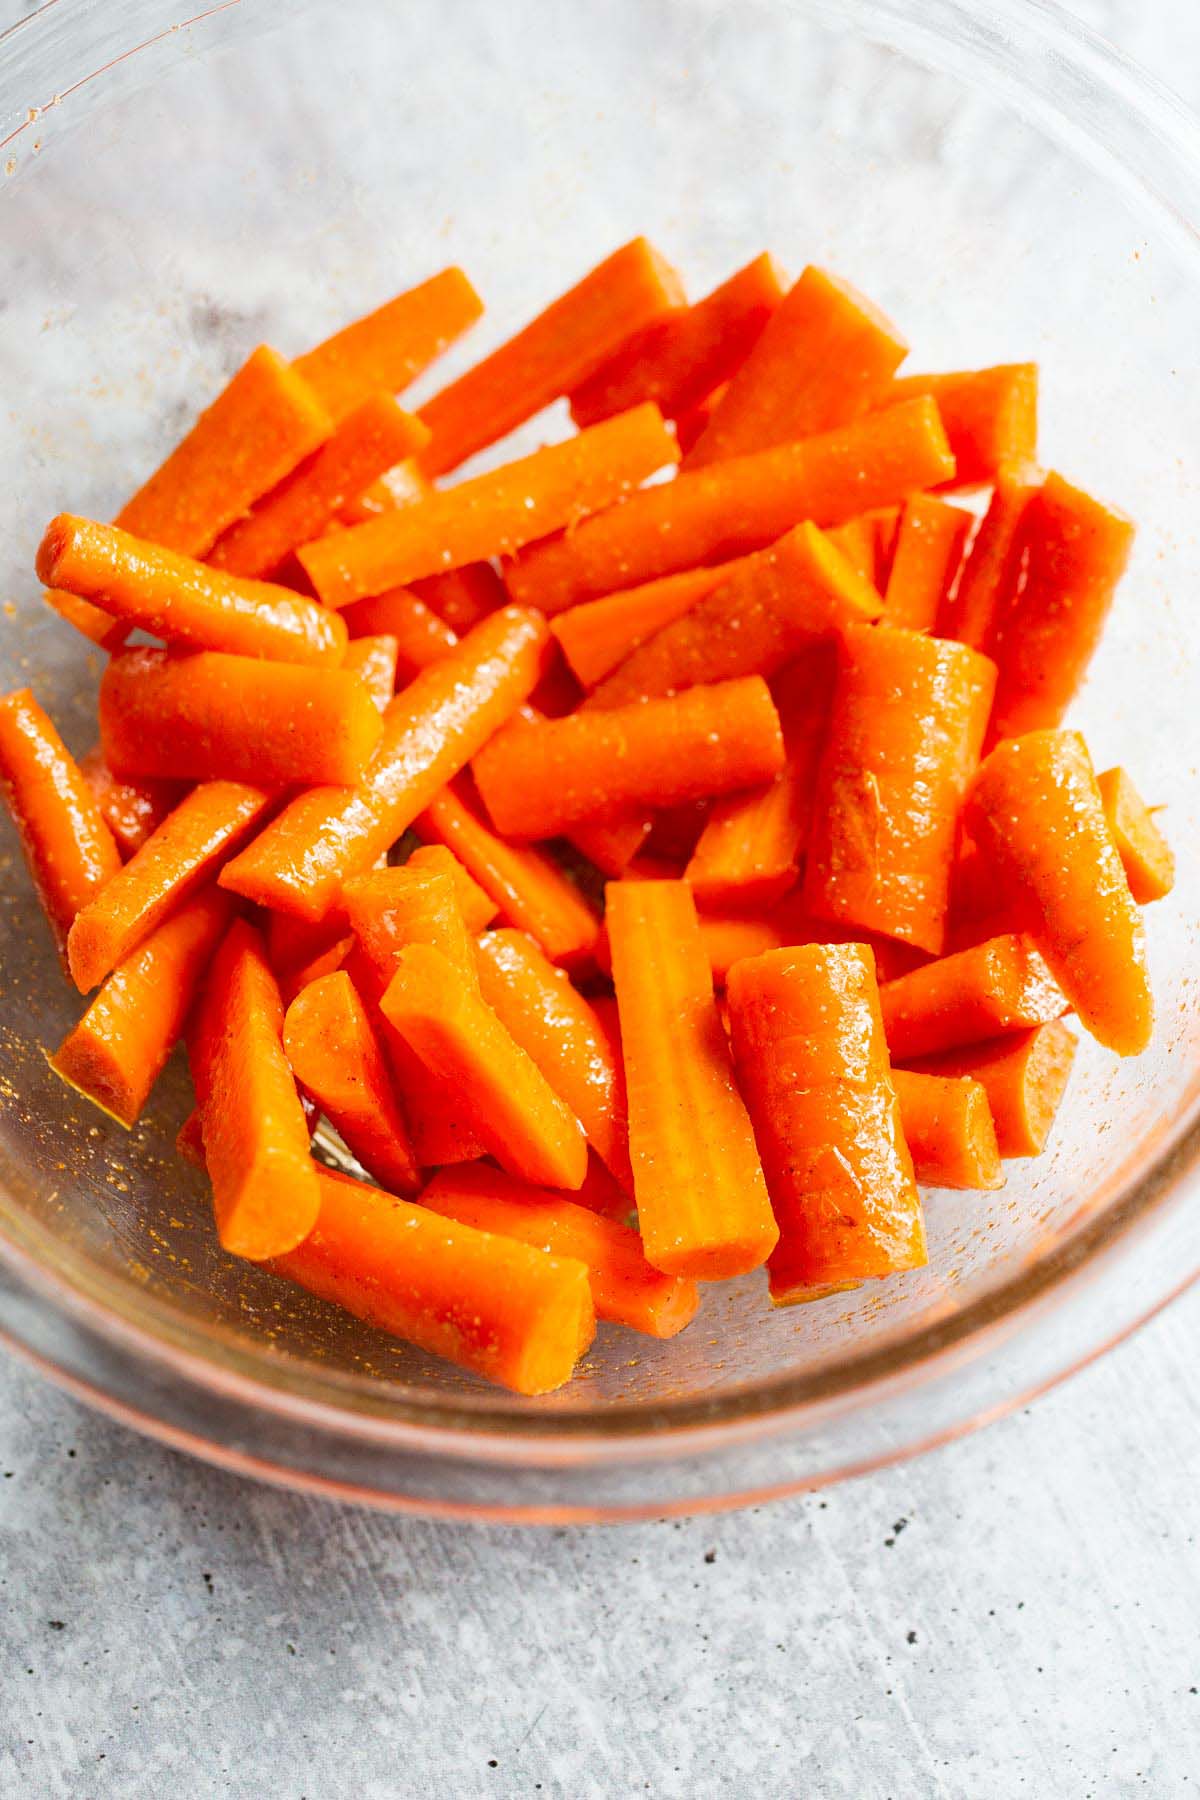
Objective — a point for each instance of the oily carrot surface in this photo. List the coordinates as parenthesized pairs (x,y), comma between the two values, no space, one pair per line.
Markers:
(600,634)
(399,487)
(995,562)
(499,1308)
(1037,815)
(702,1201)
(374,661)
(925,561)
(551,356)
(421,636)
(463,596)
(478,906)
(1144,851)
(990,415)
(975,994)
(189,1139)
(130,809)
(809,1047)
(824,356)
(494,514)
(948,1127)
(211,717)
(1024,1075)
(712,514)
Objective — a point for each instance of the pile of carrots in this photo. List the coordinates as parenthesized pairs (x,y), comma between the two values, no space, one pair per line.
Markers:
(578,845)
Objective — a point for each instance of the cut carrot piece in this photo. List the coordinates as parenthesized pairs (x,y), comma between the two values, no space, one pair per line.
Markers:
(1044,634)
(994,565)
(611,844)
(478,907)
(926,559)
(369,440)
(691,426)
(176,860)
(337,1058)
(119,1048)
(702,1202)
(99,626)
(824,357)
(810,1052)
(187,604)
(537,780)
(730,937)
(373,660)
(463,596)
(626,1289)
(500,1308)
(679,359)
(857,542)
(1003,985)
(293,942)
(552,355)
(444,716)
(130,809)
(189,1139)
(210,717)
(326,962)
(1144,851)
(1024,1075)
(979,908)
(905,731)
(388,348)
(599,635)
(69,850)
(495,514)
(990,416)
(1037,815)
(949,1130)
(421,637)
(742,505)
(399,487)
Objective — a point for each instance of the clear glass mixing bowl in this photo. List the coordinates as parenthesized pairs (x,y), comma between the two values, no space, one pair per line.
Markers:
(171,194)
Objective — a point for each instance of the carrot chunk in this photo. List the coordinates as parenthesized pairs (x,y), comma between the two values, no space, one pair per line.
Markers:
(1002,985)
(990,415)
(929,547)
(374,661)
(1024,1075)
(600,634)
(948,1127)
(389,348)
(421,636)
(478,907)
(464,595)
(1144,851)
(131,809)
(995,562)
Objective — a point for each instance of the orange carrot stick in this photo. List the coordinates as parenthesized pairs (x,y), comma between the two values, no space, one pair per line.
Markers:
(494,514)
(990,415)
(995,561)
(716,513)
(374,660)
(611,844)
(1024,1076)
(1144,851)
(856,540)
(626,1289)
(979,908)
(552,355)
(906,726)
(118,1049)
(599,635)
(825,355)
(99,626)
(326,962)
(69,850)
(189,1139)
(185,603)
(810,1052)
(478,906)
(421,637)
(926,559)
(691,426)
(949,1130)
(730,937)
(1003,985)
(678,359)
(388,348)
(500,1308)
(537,780)
(444,716)
(337,1058)
(292,942)
(207,717)
(130,809)
(702,1202)
(463,596)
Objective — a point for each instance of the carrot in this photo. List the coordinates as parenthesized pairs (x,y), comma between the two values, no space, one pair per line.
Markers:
(611,844)
(430,730)
(1037,815)
(1024,1076)
(810,1053)
(388,348)
(495,514)
(324,962)
(554,1024)
(995,562)
(463,596)
(207,716)
(925,562)
(1003,985)
(824,357)
(536,780)
(774,606)
(678,359)
(478,907)
(69,850)
(189,1139)
(979,909)
(886,520)
(187,604)
(374,660)
(949,1130)
(1144,851)
(626,1289)
(421,637)
(730,937)
(99,626)
(337,1058)
(520,1119)
(691,425)
(599,635)
(712,514)
(176,860)
(119,1048)
(990,416)
(552,355)
(130,809)
(702,1202)
(368,441)
(1044,634)
(293,942)
(489,1304)
(856,540)
(906,726)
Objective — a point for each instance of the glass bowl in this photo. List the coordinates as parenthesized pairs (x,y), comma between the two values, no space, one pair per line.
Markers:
(172,193)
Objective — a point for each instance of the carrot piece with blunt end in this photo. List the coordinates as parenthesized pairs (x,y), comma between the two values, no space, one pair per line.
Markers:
(948,1127)
(495,514)
(421,637)
(702,1202)
(430,730)
(926,559)
(995,561)
(976,994)
(478,906)
(713,514)
(990,415)
(626,1289)
(388,348)
(374,661)
(810,1052)
(131,809)
(211,717)
(1037,815)
(487,1303)
(1144,851)
(1024,1075)
(824,356)
(119,1048)
(69,850)
(600,634)
(187,604)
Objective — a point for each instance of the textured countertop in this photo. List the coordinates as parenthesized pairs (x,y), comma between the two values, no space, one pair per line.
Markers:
(1015,1614)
